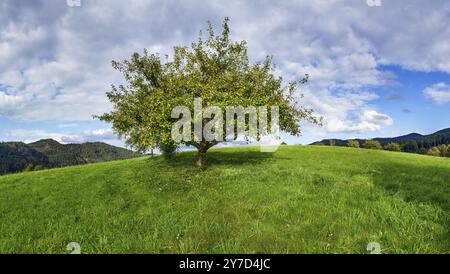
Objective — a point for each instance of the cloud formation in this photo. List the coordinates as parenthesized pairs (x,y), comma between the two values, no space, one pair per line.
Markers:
(30,135)
(99,135)
(33,135)
(55,60)
(369,120)
(440,93)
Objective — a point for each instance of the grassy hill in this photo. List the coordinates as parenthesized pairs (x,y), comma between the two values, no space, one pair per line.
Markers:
(297,200)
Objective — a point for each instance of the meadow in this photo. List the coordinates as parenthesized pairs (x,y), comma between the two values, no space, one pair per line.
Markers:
(300,199)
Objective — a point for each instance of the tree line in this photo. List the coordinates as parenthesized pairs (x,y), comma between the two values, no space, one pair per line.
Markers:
(442,150)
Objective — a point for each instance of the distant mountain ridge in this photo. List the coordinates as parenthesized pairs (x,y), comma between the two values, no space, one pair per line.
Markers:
(423,141)
(48,153)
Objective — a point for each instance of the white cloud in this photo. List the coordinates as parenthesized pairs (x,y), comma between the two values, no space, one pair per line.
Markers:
(440,93)
(32,135)
(99,135)
(55,60)
(8,103)
(68,125)
(18,40)
(346,112)
(368,120)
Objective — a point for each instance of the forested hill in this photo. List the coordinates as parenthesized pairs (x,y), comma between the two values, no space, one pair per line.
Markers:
(422,141)
(18,156)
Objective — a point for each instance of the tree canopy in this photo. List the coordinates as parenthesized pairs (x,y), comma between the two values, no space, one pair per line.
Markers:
(353,143)
(217,70)
(372,144)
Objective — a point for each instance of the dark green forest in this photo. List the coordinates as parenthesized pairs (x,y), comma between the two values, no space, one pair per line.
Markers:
(18,156)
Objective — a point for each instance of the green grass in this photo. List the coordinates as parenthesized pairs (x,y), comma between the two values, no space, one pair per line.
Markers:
(297,200)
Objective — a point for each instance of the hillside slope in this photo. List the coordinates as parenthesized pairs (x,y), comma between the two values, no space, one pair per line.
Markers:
(61,155)
(48,153)
(423,141)
(297,200)
(15,156)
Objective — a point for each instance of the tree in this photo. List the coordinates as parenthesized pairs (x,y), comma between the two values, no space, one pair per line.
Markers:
(353,143)
(372,144)
(216,70)
(411,147)
(423,151)
(168,150)
(444,150)
(28,168)
(38,167)
(393,147)
(434,151)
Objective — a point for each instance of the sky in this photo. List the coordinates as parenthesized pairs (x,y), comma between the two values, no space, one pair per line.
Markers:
(378,68)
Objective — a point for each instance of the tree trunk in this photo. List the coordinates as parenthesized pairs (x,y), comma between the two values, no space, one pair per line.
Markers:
(201,156)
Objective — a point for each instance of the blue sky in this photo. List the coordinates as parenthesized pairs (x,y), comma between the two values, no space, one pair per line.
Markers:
(413,111)
(406,103)
(375,70)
